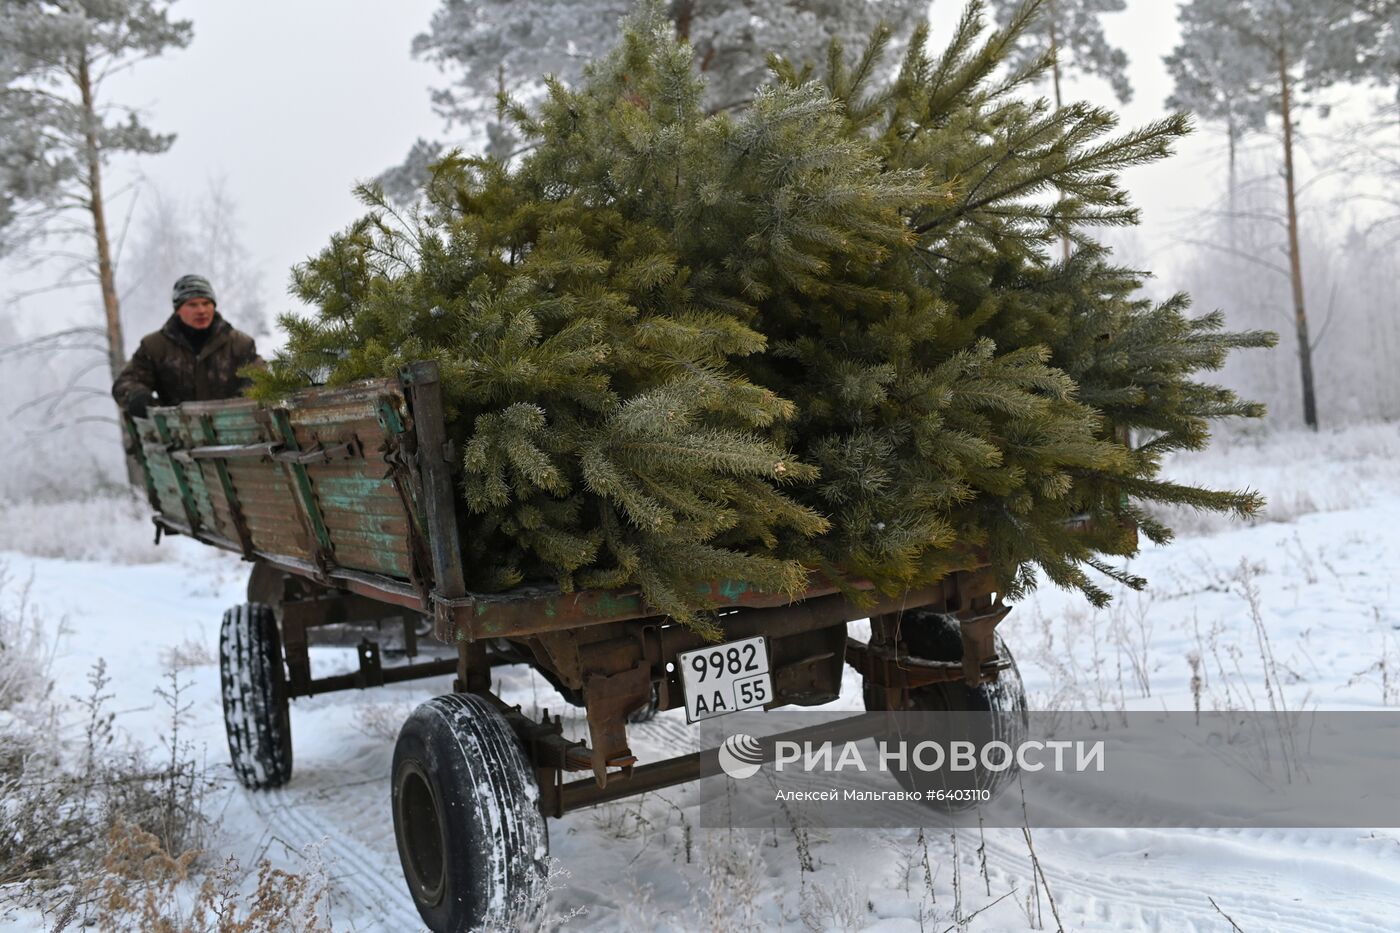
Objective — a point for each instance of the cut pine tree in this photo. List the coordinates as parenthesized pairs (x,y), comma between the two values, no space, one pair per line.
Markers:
(829,333)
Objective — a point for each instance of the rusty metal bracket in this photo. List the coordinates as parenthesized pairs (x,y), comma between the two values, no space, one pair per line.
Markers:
(978,628)
(547,750)
(371,669)
(473,668)
(420,562)
(545,741)
(608,699)
(423,385)
(294,648)
(886,667)
(970,600)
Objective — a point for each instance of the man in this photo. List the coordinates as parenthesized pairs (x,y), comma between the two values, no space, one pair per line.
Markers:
(194,357)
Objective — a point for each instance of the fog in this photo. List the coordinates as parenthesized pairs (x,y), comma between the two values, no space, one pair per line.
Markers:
(281,108)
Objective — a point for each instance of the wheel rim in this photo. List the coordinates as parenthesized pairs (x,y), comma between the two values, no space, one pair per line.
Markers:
(421,833)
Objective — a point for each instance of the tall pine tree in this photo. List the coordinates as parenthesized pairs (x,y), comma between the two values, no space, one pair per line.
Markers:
(1219,81)
(1283,40)
(60,129)
(1071,31)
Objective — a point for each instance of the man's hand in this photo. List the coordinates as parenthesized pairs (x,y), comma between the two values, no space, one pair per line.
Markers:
(137,404)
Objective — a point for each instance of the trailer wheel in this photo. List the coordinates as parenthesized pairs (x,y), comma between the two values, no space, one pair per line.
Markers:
(267,585)
(471,837)
(935,636)
(256,715)
(646,712)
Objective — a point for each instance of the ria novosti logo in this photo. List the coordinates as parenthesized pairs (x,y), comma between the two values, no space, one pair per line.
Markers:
(740,756)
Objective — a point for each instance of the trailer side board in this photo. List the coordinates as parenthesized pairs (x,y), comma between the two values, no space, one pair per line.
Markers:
(331,485)
(319,484)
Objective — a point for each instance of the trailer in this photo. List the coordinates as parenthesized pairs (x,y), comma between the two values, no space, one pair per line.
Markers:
(345,501)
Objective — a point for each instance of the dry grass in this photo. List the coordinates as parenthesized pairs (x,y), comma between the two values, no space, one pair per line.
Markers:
(102,836)
(531,913)
(143,888)
(60,807)
(187,655)
(1385,672)
(729,896)
(842,905)
(382,720)
(65,787)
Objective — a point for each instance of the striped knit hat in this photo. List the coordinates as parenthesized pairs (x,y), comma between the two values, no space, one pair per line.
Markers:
(191,286)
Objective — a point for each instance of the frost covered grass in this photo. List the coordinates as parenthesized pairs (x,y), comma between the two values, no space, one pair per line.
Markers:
(26,648)
(67,784)
(100,832)
(143,887)
(113,526)
(1300,472)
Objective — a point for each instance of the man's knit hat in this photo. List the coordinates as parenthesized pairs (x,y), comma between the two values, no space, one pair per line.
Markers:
(191,286)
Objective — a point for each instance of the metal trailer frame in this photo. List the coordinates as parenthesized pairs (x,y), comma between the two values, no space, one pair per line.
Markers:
(603,650)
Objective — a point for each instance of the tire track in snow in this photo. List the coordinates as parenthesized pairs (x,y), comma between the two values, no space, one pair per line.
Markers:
(667,734)
(1161,894)
(365,890)
(1166,897)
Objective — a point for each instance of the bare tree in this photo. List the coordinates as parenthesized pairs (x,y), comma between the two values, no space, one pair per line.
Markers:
(174,236)
(56,382)
(1351,299)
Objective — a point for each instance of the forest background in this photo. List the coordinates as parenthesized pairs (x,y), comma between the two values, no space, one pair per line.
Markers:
(276,111)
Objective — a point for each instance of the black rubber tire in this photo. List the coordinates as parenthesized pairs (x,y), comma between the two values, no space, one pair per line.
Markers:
(647,712)
(472,840)
(256,713)
(936,636)
(267,585)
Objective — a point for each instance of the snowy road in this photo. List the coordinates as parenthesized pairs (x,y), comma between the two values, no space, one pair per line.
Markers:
(1324,585)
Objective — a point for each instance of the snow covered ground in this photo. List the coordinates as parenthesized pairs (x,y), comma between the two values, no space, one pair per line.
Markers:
(1319,582)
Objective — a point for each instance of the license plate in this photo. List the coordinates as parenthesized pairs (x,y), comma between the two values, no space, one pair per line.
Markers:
(726,678)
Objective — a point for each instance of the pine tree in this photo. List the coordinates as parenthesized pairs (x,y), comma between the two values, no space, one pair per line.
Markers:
(1362,46)
(493,47)
(982,251)
(1072,32)
(1283,39)
(1070,36)
(822,333)
(1217,80)
(59,133)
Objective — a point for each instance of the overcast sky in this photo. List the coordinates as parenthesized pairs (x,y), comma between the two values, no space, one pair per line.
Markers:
(290,103)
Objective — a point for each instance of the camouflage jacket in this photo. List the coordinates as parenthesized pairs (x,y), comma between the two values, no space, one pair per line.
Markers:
(166,363)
